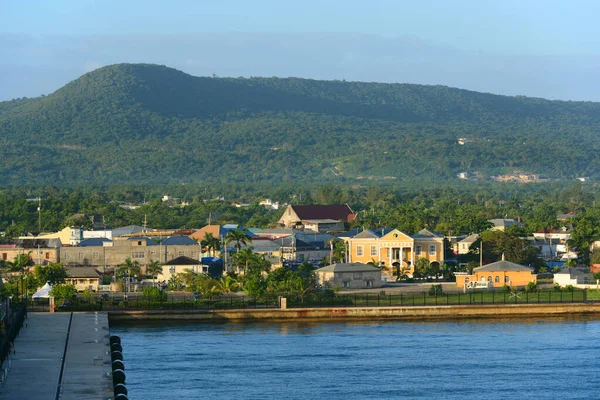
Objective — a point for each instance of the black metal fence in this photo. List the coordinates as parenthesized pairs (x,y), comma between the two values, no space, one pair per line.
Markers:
(324,300)
(14,314)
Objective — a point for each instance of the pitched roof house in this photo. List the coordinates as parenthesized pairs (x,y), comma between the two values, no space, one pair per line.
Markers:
(294,215)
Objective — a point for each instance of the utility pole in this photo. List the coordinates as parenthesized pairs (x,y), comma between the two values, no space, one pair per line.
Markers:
(39,214)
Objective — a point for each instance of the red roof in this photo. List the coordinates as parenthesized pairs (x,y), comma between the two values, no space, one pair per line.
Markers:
(551,230)
(338,212)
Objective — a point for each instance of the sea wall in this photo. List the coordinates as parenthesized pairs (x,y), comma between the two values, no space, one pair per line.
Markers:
(416,312)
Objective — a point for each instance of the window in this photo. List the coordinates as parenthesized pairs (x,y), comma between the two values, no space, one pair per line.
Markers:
(4,256)
(432,250)
(181,253)
(497,279)
(359,251)
(506,279)
(418,250)
(172,269)
(467,280)
(345,284)
(373,251)
(67,256)
(193,254)
(138,254)
(489,279)
(47,255)
(369,283)
(95,255)
(81,256)
(139,243)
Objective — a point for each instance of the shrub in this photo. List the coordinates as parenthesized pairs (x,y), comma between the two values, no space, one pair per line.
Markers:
(570,288)
(436,290)
(382,293)
(153,294)
(506,289)
(531,287)
(557,288)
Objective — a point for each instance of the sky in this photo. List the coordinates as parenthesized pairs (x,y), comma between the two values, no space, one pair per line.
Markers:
(517,47)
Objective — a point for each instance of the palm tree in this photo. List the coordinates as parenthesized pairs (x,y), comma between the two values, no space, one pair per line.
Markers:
(211,243)
(239,237)
(245,258)
(21,264)
(129,268)
(227,285)
(154,268)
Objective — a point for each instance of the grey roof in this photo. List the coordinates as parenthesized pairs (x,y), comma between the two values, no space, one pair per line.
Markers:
(424,233)
(82,272)
(373,233)
(128,230)
(298,244)
(34,243)
(504,222)
(348,267)
(94,242)
(149,242)
(503,265)
(350,234)
(178,241)
(183,260)
(470,239)
(572,272)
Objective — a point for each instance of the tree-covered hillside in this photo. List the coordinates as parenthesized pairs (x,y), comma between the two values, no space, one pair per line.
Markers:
(152,124)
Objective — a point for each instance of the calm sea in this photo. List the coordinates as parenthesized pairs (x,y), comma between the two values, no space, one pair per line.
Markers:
(491,359)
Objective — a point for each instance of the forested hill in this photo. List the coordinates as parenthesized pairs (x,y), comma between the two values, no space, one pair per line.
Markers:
(141,123)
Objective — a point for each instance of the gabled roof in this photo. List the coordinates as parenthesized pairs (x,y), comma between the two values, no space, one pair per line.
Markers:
(94,242)
(337,212)
(178,241)
(82,272)
(350,233)
(470,239)
(368,234)
(127,230)
(503,265)
(348,267)
(502,222)
(572,272)
(149,242)
(183,260)
(424,233)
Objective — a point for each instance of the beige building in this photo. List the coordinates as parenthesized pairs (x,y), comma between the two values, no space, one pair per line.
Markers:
(83,278)
(68,236)
(179,265)
(104,253)
(387,247)
(294,215)
(349,276)
(41,251)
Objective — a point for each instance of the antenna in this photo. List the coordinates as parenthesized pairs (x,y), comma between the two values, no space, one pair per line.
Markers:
(39,214)
(145,223)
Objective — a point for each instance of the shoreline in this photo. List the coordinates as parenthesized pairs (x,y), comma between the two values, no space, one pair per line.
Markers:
(359,313)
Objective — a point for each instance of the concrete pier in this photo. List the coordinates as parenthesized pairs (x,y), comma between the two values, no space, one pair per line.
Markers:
(36,365)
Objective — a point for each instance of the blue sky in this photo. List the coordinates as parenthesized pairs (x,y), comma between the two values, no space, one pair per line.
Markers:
(493,26)
(536,48)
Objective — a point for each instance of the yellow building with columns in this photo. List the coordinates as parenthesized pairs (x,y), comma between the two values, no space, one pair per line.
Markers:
(387,247)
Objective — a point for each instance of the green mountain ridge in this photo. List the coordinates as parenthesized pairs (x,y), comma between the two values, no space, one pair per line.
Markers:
(142,123)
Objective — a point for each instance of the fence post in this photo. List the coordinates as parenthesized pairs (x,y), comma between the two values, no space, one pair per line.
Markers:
(424,298)
(413,299)
(493,297)
(390,300)
(378,300)
(538,297)
(550,296)
(367,296)
(459,298)
(572,296)
(436,298)
(585,295)
(527,297)
(561,296)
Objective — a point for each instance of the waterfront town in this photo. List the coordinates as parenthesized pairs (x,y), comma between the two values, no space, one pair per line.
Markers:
(312,238)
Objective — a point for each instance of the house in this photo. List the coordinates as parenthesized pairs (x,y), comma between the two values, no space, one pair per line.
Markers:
(179,265)
(296,250)
(498,274)
(562,235)
(390,247)
(323,225)
(294,215)
(68,236)
(349,276)
(83,278)
(464,245)
(573,277)
(501,224)
(41,251)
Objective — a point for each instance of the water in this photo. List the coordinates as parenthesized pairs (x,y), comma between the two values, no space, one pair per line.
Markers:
(499,359)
